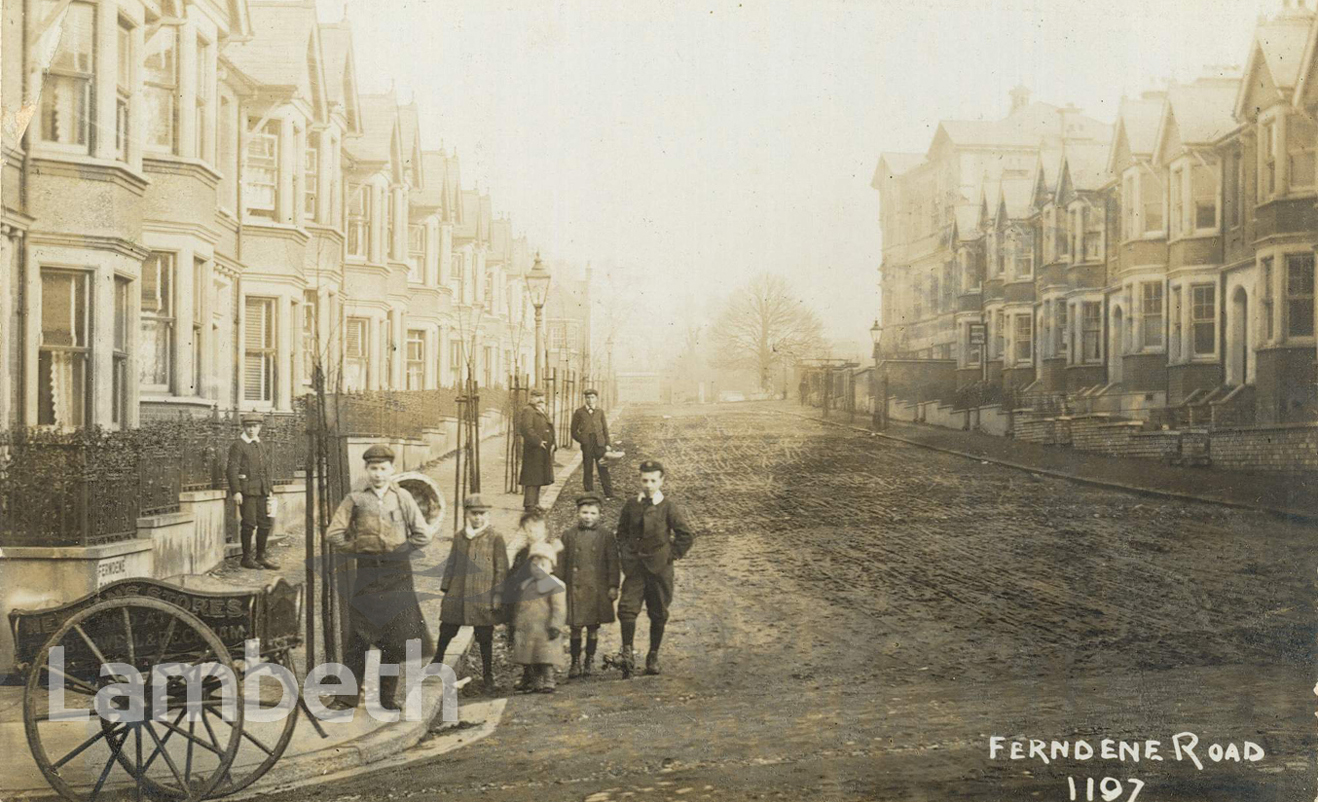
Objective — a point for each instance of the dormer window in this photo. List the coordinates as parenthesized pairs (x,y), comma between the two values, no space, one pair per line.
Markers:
(1267,160)
(1203,189)
(261,172)
(1300,136)
(1129,203)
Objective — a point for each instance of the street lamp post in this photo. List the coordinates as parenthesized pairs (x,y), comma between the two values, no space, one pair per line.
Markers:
(537,284)
(880,412)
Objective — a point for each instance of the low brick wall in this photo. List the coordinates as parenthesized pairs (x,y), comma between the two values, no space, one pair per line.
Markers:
(1290,448)
(1037,430)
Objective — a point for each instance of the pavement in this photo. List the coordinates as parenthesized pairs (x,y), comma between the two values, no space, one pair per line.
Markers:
(363,741)
(1280,494)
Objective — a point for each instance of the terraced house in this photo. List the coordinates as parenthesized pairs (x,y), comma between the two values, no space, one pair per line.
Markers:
(1161,272)
(202,209)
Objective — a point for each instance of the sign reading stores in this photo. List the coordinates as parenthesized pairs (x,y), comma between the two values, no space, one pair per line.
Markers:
(125,699)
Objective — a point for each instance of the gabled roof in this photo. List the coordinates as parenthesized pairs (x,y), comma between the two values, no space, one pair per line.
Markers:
(1043,183)
(965,218)
(410,131)
(1022,128)
(1306,89)
(431,193)
(1197,114)
(990,197)
(1137,126)
(1085,165)
(1275,57)
(341,72)
(284,50)
(1014,197)
(486,217)
(892,164)
(380,129)
(501,239)
(469,210)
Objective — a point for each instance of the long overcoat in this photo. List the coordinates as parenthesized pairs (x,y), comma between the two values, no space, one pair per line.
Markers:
(474,577)
(537,433)
(540,605)
(589,566)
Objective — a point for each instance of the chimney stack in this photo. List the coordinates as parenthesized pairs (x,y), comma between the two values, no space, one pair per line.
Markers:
(1020,98)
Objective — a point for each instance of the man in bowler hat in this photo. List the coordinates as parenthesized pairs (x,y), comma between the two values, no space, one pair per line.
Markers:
(652,533)
(538,446)
(381,526)
(251,488)
(591,430)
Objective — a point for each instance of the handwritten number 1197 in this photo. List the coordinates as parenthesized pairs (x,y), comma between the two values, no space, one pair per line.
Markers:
(1110,789)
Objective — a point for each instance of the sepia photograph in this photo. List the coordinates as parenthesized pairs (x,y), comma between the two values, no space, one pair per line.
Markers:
(538,400)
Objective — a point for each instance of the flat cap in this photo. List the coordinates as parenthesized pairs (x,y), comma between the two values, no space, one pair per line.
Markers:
(591,391)
(537,393)
(251,417)
(652,465)
(378,453)
(589,498)
(474,502)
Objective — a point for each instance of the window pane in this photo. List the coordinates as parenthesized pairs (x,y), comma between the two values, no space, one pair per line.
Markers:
(1151,191)
(1151,314)
(1204,178)
(1300,136)
(160,76)
(261,174)
(63,309)
(76,38)
(1299,295)
(1203,314)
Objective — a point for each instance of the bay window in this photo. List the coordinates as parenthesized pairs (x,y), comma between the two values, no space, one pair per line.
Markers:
(199,283)
(310,340)
(119,358)
(1176,212)
(1203,191)
(357,344)
(310,175)
(1023,335)
(65,350)
(259,354)
(1091,331)
(156,351)
(1267,294)
(359,220)
(1129,202)
(416,359)
(1062,336)
(160,89)
(1299,295)
(416,254)
(66,90)
(1023,261)
(1174,309)
(1062,234)
(261,172)
(1203,319)
(1151,201)
(202,101)
(1095,223)
(1151,314)
(1300,140)
(123,98)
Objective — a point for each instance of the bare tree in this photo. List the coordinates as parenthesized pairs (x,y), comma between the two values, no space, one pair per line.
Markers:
(764,326)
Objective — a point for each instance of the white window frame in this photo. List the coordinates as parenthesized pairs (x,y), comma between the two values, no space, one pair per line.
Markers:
(82,77)
(265,354)
(82,320)
(356,353)
(415,365)
(261,171)
(168,93)
(1146,314)
(163,317)
(1196,321)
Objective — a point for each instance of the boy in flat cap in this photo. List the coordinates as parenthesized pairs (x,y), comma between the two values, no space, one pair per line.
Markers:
(538,445)
(474,579)
(381,526)
(591,430)
(652,533)
(251,488)
(589,567)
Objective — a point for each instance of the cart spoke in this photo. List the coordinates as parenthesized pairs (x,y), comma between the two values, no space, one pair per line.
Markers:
(228,770)
(74,681)
(83,746)
(128,630)
(137,737)
(90,644)
(164,642)
(187,764)
(160,750)
(115,749)
(193,739)
(160,744)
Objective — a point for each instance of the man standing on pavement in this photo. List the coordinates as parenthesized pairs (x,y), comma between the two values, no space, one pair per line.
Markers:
(591,430)
(250,487)
(538,446)
(652,533)
(381,527)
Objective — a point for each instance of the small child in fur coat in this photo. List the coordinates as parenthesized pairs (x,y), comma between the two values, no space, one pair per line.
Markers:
(540,613)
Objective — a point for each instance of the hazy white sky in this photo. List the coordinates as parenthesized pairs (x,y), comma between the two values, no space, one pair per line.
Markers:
(688,145)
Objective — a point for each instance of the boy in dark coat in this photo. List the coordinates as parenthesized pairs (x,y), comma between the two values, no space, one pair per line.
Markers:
(251,488)
(652,533)
(538,446)
(475,575)
(591,430)
(589,567)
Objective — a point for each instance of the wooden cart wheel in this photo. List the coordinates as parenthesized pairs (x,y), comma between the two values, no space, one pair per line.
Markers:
(264,742)
(142,632)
